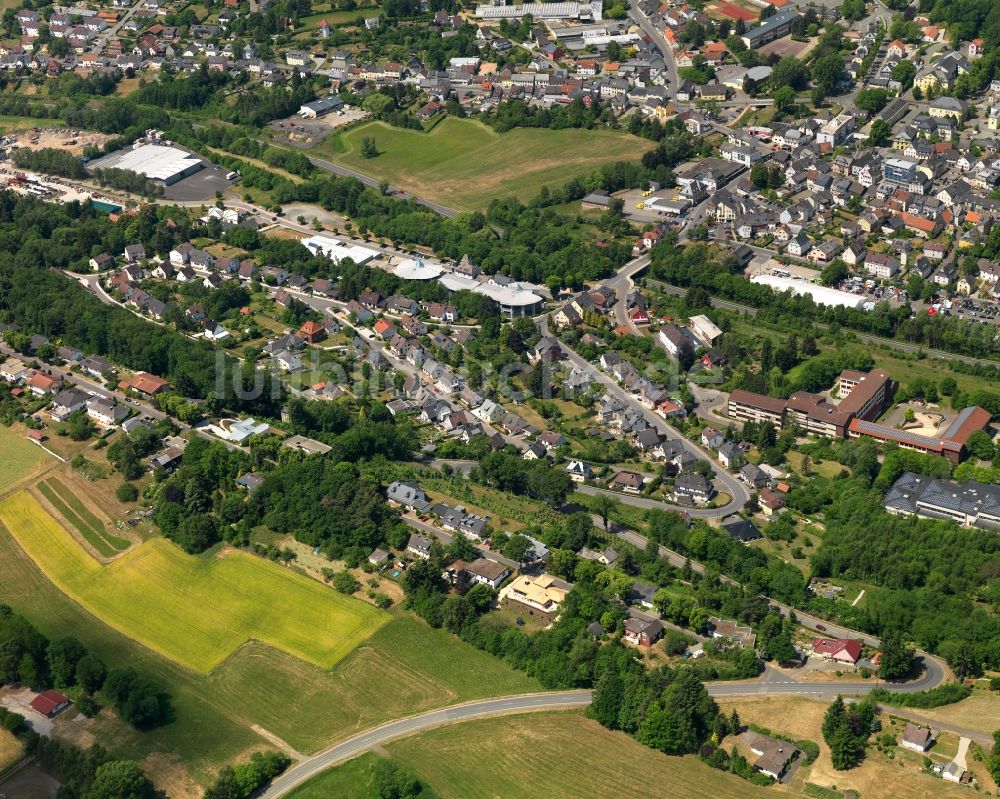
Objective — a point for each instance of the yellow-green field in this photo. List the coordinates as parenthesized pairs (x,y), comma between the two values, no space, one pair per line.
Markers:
(196,611)
(10,749)
(464,164)
(18,456)
(555,755)
(405,667)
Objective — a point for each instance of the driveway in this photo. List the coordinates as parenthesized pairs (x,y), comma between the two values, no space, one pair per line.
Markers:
(18,700)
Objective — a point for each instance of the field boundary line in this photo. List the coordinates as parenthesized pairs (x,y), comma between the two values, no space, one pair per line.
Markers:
(53,454)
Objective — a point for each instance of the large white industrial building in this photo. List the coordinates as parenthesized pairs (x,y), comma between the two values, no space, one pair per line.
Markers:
(821,295)
(161,162)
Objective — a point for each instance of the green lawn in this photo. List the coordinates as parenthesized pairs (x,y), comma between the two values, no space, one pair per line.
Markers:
(12,124)
(18,456)
(404,668)
(196,611)
(464,164)
(555,755)
(88,525)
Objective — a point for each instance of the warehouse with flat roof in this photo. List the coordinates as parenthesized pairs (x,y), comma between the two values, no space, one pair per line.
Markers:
(821,295)
(585,12)
(160,162)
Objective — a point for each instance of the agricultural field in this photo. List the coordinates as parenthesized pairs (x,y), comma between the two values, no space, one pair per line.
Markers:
(20,458)
(10,750)
(71,508)
(555,755)
(456,163)
(217,716)
(158,596)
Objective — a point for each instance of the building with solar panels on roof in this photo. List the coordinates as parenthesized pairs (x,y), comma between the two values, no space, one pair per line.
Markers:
(971,504)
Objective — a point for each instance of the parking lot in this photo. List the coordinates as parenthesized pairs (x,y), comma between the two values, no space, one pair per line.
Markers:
(202,185)
(309,132)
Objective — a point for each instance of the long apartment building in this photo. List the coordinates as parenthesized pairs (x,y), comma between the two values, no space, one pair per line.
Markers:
(864,395)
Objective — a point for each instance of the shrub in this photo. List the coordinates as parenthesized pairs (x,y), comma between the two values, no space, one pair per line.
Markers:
(346,583)
(127,492)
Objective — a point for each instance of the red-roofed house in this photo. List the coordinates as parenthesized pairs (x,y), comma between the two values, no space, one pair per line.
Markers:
(50,703)
(919,225)
(145,383)
(639,317)
(40,384)
(384,329)
(839,650)
(311,332)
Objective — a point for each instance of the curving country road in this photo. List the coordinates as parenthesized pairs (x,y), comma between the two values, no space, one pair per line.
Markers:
(772,684)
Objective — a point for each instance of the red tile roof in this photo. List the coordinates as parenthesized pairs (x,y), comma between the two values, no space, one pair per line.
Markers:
(49,703)
(832,647)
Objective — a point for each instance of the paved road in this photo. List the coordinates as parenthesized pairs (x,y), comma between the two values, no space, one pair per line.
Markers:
(379,736)
(733,487)
(365,741)
(648,503)
(658,40)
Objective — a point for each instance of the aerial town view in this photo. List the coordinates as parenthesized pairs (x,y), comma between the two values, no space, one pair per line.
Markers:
(431,399)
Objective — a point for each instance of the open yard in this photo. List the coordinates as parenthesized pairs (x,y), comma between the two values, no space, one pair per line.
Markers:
(878,777)
(196,611)
(555,755)
(980,711)
(464,164)
(405,667)
(18,456)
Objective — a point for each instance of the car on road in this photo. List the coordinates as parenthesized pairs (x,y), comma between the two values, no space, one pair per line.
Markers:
(821,628)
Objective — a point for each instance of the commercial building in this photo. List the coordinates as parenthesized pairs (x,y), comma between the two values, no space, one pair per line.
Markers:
(813,413)
(750,407)
(950,445)
(319,108)
(821,295)
(417,269)
(836,130)
(870,394)
(864,395)
(592,12)
(515,299)
(164,163)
